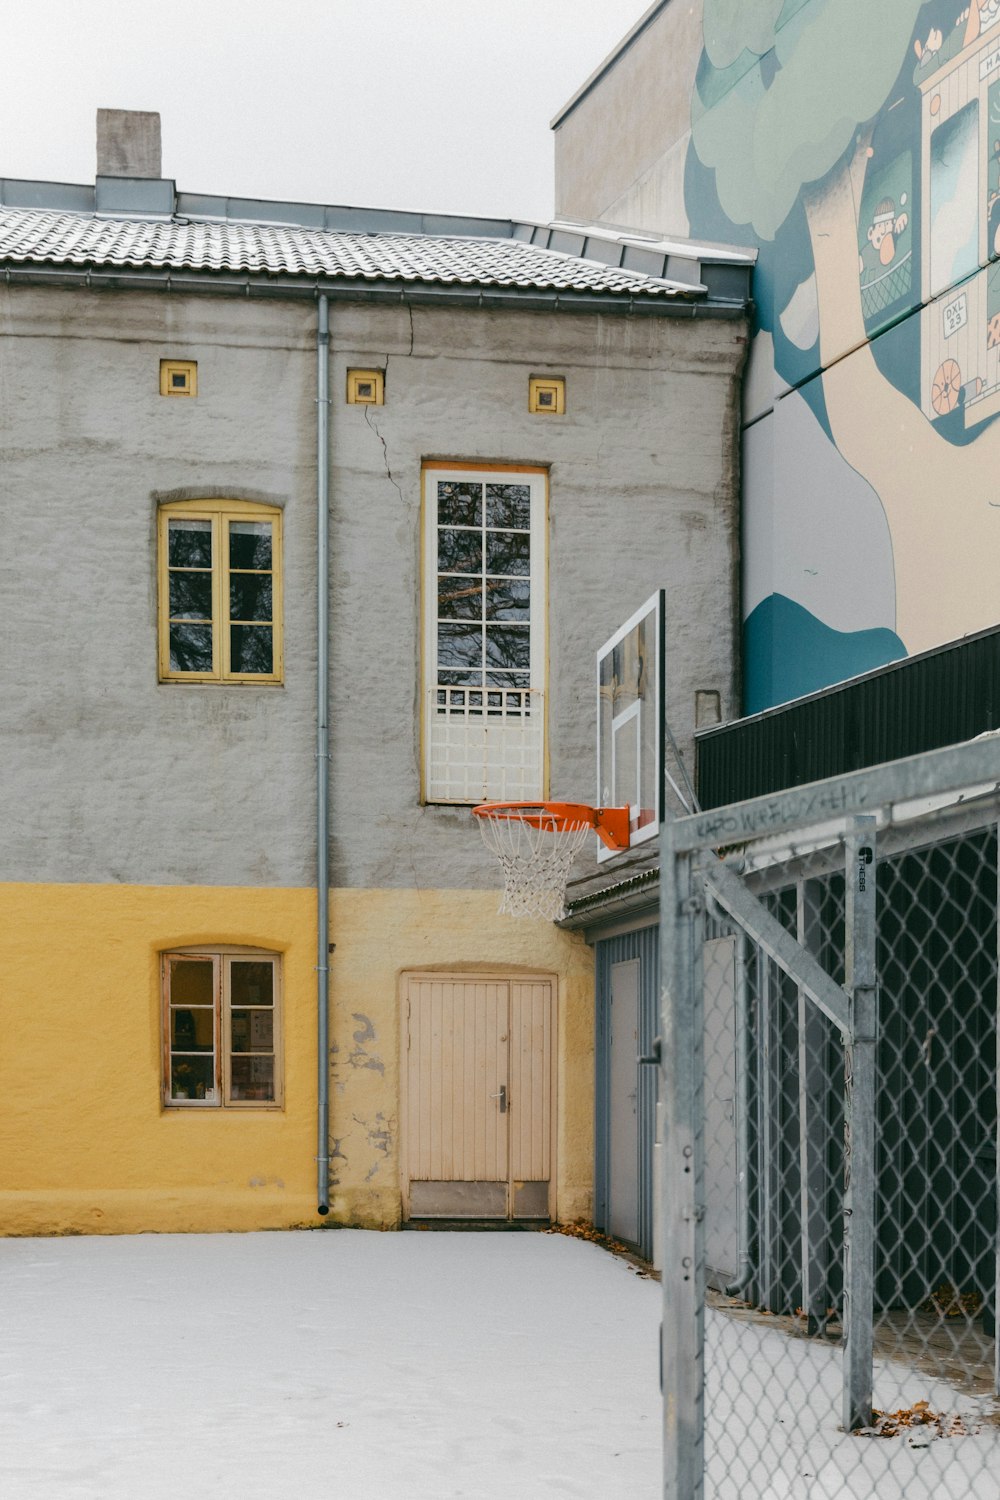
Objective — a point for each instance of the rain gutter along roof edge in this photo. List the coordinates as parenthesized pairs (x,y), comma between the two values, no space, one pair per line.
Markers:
(633,897)
(677,305)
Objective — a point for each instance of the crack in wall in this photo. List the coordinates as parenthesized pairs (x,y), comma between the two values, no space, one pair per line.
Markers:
(374,425)
(385,453)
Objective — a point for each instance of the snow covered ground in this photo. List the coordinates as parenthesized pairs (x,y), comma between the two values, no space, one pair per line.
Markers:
(413,1367)
(356,1365)
(772,1426)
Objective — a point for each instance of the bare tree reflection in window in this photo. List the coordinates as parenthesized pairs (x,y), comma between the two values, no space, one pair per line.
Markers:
(250,596)
(460,504)
(190,648)
(509,506)
(189,544)
(251,650)
(250,545)
(507,599)
(460,646)
(190,596)
(459,551)
(508,646)
(460,598)
(508,552)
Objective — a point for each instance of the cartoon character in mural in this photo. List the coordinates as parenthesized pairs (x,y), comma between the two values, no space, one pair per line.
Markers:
(861,181)
(884,231)
(883,256)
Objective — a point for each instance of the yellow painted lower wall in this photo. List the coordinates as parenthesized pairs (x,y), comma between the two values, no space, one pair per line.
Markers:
(86,1145)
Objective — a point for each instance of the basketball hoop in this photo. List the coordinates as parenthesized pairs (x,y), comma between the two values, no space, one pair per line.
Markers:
(536,843)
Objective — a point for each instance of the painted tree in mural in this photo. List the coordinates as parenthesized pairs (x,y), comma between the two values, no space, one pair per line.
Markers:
(790,94)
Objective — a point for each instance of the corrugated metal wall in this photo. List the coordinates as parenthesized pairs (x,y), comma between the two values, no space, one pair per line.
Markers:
(938,698)
(643,945)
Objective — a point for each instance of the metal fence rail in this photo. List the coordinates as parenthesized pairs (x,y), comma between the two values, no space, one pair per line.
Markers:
(829,1059)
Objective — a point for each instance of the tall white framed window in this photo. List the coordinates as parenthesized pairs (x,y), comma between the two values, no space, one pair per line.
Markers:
(484,633)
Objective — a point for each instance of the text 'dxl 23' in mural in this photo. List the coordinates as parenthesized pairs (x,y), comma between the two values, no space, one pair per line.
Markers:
(858,146)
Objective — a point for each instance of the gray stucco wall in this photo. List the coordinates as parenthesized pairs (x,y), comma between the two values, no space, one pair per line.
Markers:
(111,776)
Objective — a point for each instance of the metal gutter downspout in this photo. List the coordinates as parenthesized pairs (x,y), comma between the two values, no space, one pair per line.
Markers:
(323,757)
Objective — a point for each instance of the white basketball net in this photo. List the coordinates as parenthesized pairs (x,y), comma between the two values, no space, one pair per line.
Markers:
(535,862)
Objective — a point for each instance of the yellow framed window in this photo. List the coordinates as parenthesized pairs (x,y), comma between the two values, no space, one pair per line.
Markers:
(221,1029)
(219,592)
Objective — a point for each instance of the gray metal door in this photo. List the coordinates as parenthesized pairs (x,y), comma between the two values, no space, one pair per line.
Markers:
(623,1185)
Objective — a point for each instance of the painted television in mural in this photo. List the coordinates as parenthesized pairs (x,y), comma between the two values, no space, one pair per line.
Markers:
(960,127)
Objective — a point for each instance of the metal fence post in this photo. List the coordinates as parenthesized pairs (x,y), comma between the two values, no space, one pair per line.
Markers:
(814,1102)
(681,1029)
(996,1149)
(767,1174)
(859,1125)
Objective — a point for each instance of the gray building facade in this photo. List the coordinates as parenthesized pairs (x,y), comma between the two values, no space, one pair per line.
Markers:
(160,862)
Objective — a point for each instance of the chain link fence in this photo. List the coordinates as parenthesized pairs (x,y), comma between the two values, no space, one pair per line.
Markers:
(829,1065)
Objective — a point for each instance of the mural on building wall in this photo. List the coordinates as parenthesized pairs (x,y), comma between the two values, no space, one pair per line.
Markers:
(858,146)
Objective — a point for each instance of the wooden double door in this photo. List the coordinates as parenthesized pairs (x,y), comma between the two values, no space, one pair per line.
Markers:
(478,1096)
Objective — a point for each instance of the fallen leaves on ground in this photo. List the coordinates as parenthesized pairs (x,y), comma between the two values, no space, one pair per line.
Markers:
(917,1422)
(949,1302)
(579,1229)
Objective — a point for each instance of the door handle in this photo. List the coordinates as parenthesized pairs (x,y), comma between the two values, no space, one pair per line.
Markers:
(502,1096)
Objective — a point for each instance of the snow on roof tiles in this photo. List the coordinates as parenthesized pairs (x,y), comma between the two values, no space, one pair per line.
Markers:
(33,236)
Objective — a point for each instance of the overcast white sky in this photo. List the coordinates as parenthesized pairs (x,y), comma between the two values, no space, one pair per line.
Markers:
(441,105)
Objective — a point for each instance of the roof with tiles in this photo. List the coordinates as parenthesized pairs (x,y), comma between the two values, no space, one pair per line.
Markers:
(617,889)
(30,236)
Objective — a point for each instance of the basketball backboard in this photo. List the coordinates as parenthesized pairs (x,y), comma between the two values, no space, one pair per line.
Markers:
(630,707)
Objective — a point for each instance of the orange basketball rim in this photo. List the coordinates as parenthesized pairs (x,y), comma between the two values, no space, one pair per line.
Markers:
(611,824)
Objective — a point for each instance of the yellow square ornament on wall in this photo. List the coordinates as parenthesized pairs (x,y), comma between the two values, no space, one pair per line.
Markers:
(547,393)
(366,388)
(178,377)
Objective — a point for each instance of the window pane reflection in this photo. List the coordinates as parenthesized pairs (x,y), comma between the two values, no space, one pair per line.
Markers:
(460,599)
(507,600)
(508,505)
(459,551)
(460,504)
(250,596)
(507,646)
(250,544)
(192,981)
(250,649)
(191,648)
(460,645)
(251,982)
(507,552)
(190,544)
(190,596)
